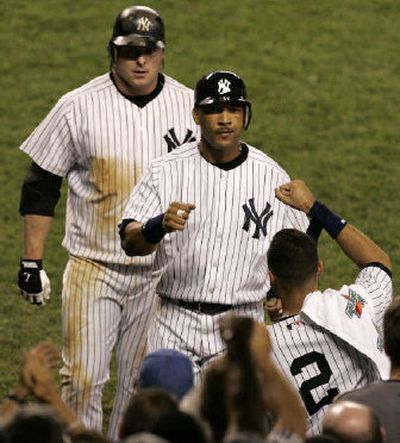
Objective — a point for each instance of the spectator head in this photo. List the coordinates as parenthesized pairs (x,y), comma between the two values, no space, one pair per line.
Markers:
(179,427)
(352,422)
(34,424)
(391,332)
(167,369)
(293,258)
(144,409)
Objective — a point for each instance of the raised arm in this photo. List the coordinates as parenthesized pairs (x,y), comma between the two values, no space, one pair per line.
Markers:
(249,346)
(356,245)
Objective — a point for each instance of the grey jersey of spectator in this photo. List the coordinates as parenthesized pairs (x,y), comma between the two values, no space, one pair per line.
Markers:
(384,398)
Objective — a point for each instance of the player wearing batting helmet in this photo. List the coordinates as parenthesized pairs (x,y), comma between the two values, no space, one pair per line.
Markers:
(100,137)
(209,215)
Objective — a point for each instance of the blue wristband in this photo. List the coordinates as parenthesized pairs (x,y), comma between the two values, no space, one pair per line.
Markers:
(152,230)
(331,222)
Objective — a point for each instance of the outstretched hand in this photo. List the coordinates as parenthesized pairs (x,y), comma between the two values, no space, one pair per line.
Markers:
(296,194)
(36,366)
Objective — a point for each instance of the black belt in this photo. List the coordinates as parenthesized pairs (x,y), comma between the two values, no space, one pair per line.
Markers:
(199,306)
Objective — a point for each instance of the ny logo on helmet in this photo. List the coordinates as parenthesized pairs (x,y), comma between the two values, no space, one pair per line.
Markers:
(224,86)
(143,24)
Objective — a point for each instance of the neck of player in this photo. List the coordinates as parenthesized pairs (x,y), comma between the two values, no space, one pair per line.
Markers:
(292,298)
(217,154)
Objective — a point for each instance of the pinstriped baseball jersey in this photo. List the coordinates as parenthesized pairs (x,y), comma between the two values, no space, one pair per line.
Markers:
(322,364)
(101,142)
(220,256)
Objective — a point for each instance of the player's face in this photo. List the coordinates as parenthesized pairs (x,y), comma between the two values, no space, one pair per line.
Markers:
(221,125)
(136,69)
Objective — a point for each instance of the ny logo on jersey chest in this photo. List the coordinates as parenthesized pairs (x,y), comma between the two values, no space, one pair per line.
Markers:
(260,220)
(172,139)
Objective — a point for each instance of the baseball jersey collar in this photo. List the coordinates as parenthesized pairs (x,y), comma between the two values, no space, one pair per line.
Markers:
(236,161)
(142,100)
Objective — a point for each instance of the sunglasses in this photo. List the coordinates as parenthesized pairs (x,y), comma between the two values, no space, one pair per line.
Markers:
(133,52)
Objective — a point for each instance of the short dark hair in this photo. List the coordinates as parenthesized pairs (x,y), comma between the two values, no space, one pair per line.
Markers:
(391,332)
(88,436)
(33,424)
(292,256)
(179,427)
(144,409)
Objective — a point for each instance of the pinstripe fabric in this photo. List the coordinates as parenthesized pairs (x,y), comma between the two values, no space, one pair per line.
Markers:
(101,142)
(215,259)
(100,311)
(321,364)
(196,335)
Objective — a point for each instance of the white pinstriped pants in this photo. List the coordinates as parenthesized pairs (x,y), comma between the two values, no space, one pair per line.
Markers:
(194,334)
(101,311)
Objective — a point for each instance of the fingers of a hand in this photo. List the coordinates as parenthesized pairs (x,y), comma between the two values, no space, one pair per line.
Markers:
(283,197)
(48,352)
(33,299)
(187,207)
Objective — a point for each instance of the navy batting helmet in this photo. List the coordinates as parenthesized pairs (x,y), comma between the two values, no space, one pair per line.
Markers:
(223,87)
(137,26)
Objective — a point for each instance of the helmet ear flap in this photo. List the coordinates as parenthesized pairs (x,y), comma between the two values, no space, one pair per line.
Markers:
(247,116)
(111,51)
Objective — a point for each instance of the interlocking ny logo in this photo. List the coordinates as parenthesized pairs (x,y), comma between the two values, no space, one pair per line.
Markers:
(143,24)
(224,86)
(260,220)
(172,139)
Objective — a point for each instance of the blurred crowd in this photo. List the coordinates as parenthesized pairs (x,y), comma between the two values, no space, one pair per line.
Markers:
(242,396)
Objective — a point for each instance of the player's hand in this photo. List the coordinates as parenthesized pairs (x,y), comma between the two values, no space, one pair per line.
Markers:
(296,194)
(176,216)
(33,282)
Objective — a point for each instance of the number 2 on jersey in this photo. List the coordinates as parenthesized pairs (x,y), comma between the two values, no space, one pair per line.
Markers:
(322,378)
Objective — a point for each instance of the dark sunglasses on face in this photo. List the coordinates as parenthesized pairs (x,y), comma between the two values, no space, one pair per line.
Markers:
(133,52)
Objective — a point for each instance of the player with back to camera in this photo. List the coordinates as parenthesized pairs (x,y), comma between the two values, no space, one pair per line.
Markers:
(209,216)
(327,342)
(100,137)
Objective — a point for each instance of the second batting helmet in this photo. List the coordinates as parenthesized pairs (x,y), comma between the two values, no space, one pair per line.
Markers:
(137,26)
(222,87)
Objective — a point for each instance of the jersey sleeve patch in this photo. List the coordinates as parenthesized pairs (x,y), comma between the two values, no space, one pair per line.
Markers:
(355,303)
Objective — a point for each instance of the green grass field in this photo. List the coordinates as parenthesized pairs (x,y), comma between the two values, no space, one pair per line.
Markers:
(323,77)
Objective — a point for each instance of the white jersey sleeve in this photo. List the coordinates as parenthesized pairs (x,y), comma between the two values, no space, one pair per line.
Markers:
(377,282)
(51,144)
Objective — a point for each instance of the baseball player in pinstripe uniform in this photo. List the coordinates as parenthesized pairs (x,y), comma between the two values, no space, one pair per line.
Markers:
(100,137)
(209,214)
(327,342)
